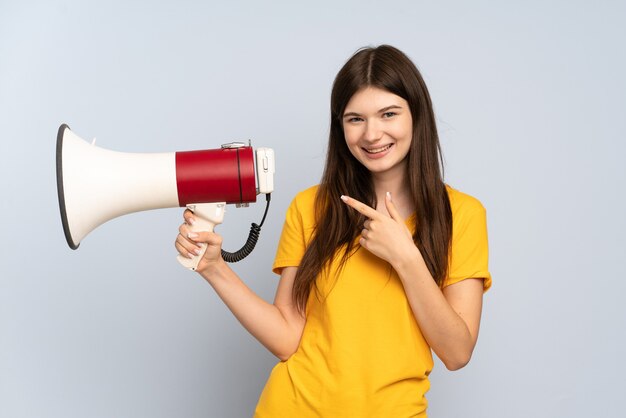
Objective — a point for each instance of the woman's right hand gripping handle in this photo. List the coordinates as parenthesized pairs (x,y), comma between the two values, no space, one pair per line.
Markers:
(197,247)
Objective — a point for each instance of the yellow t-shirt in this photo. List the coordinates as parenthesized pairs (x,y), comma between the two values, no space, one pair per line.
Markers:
(362,353)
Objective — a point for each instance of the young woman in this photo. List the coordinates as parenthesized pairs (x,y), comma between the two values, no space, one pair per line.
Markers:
(379,264)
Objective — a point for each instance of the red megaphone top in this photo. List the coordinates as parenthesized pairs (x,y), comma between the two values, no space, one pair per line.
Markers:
(218,175)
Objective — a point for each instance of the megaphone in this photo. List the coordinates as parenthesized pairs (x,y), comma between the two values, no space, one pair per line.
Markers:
(96,185)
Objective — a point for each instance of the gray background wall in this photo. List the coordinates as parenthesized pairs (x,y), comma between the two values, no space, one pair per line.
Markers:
(530,103)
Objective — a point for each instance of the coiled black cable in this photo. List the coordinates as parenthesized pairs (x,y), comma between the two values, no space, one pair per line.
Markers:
(253,237)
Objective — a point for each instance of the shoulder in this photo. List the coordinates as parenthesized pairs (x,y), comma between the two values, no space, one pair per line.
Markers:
(306,197)
(302,207)
(467,212)
(462,203)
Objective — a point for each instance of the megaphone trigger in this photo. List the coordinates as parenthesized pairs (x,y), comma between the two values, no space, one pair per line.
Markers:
(207,215)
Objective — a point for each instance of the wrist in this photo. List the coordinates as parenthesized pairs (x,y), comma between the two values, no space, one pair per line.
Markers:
(211,270)
(409,263)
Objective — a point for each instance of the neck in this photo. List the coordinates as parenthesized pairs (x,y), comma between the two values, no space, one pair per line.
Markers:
(398,186)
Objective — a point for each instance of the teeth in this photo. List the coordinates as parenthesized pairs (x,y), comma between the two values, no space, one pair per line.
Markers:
(377,150)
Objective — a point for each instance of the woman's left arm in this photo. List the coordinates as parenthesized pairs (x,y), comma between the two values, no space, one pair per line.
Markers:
(449,319)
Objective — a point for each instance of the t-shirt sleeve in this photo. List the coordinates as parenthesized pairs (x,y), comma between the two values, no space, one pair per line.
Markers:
(470,251)
(292,244)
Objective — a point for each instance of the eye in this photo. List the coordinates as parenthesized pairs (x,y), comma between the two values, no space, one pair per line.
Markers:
(354,119)
(389,114)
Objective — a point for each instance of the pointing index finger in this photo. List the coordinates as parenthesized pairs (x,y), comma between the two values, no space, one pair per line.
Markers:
(360,207)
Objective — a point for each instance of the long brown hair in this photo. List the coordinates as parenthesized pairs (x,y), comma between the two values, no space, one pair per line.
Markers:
(337,225)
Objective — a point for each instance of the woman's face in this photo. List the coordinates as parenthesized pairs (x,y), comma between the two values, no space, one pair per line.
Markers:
(378,128)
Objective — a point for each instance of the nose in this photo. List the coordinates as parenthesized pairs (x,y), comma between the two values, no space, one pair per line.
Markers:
(373,131)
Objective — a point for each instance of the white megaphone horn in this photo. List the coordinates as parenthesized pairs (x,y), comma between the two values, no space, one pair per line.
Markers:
(95,185)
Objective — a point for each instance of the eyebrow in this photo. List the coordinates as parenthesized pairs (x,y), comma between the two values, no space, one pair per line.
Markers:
(383,110)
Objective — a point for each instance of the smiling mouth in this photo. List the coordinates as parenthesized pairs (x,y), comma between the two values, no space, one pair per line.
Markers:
(377,150)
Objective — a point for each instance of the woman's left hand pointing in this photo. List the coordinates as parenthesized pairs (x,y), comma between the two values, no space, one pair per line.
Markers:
(385,236)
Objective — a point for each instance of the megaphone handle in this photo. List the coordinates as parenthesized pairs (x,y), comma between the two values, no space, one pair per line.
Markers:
(207,215)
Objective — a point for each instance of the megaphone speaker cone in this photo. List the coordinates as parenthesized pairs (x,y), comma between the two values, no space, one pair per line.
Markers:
(96,184)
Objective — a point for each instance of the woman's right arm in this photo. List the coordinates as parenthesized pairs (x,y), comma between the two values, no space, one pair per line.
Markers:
(277,326)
